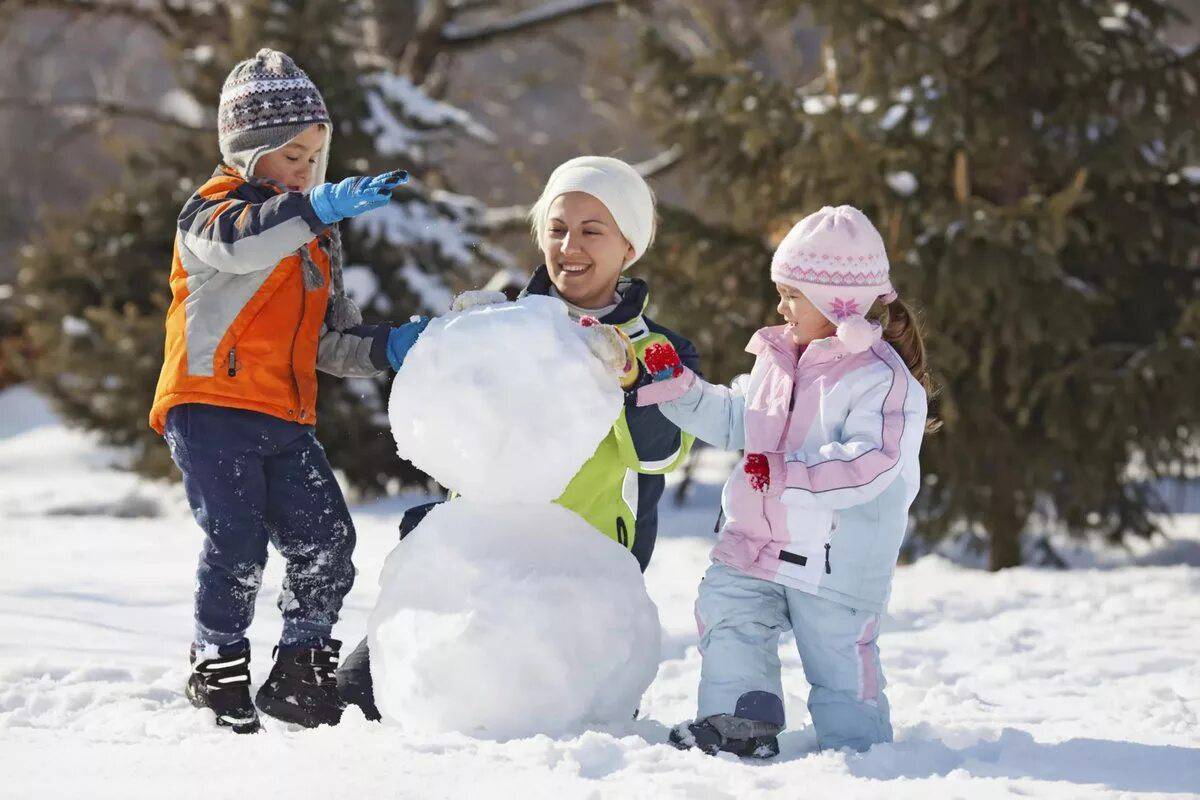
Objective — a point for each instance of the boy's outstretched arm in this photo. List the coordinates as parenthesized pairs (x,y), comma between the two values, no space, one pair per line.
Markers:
(226,229)
(230,233)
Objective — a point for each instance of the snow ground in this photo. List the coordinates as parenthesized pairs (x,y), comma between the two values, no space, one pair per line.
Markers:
(1030,682)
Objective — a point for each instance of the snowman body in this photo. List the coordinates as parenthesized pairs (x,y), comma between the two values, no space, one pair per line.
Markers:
(503,614)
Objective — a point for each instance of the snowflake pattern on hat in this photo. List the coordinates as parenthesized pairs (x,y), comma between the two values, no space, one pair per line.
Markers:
(841,308)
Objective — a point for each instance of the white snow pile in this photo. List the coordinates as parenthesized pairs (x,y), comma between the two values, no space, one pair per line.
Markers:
(503,403)
(504,621)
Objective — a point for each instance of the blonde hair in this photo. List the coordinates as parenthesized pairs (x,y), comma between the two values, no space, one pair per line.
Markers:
(902,330)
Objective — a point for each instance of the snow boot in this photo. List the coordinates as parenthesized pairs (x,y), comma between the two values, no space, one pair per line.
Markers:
(745,738)
(355,686)
(220,681)
(302,687)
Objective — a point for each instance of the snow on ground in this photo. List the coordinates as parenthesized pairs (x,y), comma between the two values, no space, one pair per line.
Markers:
(1030,682)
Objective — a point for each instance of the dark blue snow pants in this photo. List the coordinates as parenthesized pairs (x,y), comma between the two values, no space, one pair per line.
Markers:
(252,479)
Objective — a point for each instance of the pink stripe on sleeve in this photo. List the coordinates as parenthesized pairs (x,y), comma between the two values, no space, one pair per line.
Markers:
(835,474)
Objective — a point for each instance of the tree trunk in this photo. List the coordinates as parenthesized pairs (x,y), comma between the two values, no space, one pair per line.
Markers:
(1004,523)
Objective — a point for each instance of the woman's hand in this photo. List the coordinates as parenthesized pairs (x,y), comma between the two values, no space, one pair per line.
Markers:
(475,298)
(610,344)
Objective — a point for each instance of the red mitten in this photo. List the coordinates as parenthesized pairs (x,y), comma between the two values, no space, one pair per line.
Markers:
(766,473)
(662,361)
(758,472)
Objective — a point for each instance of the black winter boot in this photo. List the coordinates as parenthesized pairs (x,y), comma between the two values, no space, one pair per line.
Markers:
(302,686)
(725,733)
(222,683)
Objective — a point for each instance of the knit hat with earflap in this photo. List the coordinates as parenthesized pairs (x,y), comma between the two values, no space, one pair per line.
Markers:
(836,258)
(265,103)
(619,186)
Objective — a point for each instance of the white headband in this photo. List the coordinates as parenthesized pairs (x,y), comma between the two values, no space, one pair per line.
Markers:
(616,184)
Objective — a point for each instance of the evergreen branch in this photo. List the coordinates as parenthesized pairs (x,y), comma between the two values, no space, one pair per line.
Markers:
(456,35)
(98,109)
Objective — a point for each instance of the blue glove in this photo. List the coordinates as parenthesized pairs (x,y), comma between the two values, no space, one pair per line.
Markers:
(333,202)
(400,340)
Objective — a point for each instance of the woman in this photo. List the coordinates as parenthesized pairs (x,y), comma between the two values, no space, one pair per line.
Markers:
(594,220)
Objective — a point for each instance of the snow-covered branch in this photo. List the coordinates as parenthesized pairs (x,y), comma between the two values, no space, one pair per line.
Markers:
(456,35)
(97,109)
(174,19)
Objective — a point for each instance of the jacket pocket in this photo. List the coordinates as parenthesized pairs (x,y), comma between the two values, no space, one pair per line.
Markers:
(806,554)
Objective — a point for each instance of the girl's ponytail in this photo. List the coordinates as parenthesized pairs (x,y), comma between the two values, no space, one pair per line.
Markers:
(903,332)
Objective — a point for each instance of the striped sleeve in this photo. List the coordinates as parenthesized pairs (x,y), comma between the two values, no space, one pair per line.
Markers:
(884,425)
(232,234)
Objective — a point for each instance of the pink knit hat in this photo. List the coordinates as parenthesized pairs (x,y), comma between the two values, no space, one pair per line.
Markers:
(837,259)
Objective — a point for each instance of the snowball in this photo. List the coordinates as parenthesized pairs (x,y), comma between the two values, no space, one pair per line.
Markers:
(509,620)
(503,402)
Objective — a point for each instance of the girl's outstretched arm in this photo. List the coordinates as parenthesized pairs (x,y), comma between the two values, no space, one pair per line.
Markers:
(707,411)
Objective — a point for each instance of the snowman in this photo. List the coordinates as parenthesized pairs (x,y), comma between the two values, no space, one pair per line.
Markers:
(502,614)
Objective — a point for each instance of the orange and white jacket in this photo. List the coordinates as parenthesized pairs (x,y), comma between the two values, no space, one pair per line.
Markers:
(242,330)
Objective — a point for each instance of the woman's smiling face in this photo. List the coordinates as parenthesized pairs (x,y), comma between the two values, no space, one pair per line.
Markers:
(584,249)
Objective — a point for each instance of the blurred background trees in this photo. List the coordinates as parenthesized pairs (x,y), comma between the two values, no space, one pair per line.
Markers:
(1033,167)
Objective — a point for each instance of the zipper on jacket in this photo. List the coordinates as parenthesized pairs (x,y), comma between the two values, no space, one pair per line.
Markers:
(622,533)
(296,335)
(233,362)
(832,529)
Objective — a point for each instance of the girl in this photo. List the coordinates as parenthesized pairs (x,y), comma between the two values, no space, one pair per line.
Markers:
(831,419)
(257,308)
(594,219)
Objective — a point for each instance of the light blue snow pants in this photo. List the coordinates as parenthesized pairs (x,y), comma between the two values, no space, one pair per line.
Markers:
(740,619)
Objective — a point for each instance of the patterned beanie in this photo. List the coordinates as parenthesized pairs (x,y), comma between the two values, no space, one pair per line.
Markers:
(265,103)
(836,258)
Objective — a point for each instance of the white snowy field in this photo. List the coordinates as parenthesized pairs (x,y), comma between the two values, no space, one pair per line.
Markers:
(1030,682)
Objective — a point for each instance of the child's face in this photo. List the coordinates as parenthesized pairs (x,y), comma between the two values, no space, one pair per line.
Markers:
(805,322)
(293,164)
(584,249)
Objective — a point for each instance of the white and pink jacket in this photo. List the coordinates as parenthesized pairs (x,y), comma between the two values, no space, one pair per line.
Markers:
(841,433)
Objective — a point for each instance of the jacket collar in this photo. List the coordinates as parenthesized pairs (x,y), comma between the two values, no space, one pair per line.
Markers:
(225,171)
(777,344)
(634,294)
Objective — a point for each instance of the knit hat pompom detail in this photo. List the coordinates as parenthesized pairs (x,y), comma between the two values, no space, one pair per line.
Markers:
(857,334)
(837,259)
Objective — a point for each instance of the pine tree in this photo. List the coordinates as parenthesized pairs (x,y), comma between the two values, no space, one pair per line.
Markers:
(1031,166)
(94,291)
